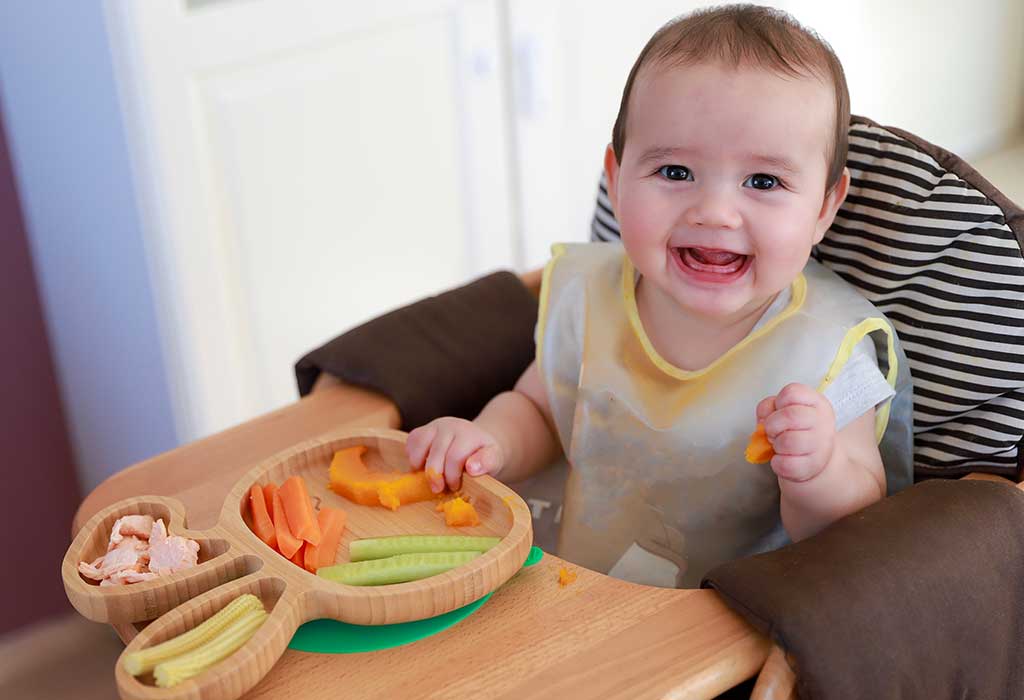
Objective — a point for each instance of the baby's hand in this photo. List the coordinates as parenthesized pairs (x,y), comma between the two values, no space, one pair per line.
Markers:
(446,446)
(801,425)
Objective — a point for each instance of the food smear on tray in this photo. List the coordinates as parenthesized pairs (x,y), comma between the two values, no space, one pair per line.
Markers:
(350,477)
(192,652)
(285,519)
(566,577)
(140,549)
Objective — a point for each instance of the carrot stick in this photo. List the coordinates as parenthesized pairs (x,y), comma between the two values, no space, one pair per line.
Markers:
(262,523)
(332,525)
(300,553)
(299,510)
(268,491)
(287,544)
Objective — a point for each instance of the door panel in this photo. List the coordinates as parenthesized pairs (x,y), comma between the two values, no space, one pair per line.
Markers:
(304,167)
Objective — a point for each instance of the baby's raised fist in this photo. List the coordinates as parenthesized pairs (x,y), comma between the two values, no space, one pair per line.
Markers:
(801,426)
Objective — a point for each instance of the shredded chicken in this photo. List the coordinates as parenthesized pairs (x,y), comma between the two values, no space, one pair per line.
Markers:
(136,525)
(170,554)
(140,550)
(127,576)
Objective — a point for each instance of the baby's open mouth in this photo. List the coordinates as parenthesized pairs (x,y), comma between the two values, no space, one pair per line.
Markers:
(722,262)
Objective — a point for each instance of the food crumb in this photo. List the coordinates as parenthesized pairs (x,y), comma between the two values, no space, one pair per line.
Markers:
(565,577)
(459,512)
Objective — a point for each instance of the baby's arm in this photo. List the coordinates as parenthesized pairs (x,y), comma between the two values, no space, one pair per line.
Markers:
(512,438)
(823,474)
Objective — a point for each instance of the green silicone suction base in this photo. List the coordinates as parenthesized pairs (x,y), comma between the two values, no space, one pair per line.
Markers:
(333,637)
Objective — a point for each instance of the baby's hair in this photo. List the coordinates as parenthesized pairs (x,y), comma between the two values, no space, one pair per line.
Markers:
(746,35)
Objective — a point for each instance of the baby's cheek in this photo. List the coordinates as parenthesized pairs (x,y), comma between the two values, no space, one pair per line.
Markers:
(784,261)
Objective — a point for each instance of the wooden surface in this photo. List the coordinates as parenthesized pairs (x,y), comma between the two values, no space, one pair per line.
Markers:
(233,561)
(776,680)
(596,638)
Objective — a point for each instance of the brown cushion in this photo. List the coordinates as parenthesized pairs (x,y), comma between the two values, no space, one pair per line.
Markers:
(918,596)
(446,355)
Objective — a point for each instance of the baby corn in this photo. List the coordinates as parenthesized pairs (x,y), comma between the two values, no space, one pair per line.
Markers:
(144,660)
(181,668)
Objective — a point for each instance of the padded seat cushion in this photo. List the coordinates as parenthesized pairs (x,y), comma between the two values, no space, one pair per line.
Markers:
(917,596)
(445,355)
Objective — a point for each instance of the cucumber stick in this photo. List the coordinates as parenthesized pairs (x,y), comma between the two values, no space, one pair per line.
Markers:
(380,547)
(396,569)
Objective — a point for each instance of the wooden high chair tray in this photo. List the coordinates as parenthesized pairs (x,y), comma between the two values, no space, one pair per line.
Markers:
(534,639)
(233,561)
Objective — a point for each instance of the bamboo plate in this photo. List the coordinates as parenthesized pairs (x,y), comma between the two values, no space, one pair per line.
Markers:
(232,561)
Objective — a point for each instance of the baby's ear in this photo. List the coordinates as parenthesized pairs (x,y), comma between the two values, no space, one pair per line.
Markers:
(611,173)
(833,200)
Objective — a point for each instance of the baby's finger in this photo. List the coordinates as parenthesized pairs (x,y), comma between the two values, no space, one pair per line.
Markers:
(792,443)
(486,460)
(460,449)
(795,468)
(792,417)
(764,408)
(435,460)
(417,444)
(797,394)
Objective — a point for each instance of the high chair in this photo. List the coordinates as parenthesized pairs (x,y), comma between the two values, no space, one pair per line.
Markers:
(939,250)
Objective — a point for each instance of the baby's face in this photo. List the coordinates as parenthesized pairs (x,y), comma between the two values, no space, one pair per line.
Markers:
(721,190)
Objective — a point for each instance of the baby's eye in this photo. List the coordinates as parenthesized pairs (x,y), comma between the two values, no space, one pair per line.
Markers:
(761,181)
(675,172)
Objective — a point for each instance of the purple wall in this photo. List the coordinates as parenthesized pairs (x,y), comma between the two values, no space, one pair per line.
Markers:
(40,489)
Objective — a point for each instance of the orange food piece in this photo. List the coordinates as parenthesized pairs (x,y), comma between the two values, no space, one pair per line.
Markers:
(269,490)
(299,555)
(459,513)
(332,525)
(565,577)
(446,498)
(262,523)
(759,450)
(287,543)
(299,510)
(350,478)
(408,488)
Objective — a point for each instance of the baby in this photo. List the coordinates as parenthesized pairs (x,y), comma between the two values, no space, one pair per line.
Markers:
(656,358)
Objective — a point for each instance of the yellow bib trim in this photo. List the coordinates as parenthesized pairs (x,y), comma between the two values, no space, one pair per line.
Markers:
(798,293)
(854,336)
(557,250)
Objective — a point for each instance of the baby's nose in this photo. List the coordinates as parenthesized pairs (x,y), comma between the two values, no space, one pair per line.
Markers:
(714,209)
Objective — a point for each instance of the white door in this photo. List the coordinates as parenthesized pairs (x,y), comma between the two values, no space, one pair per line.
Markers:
(304,165)
(570,62)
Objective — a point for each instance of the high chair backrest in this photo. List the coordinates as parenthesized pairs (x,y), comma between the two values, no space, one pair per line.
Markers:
(937,249)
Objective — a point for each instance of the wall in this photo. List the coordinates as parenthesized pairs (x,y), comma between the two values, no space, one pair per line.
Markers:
(67,146)
(40,487)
